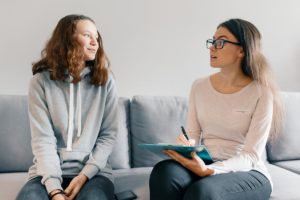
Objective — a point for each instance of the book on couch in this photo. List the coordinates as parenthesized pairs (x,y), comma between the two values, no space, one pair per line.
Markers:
(186,151)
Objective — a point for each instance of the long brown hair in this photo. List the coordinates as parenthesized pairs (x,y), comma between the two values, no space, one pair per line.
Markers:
(255,65)
(64,54)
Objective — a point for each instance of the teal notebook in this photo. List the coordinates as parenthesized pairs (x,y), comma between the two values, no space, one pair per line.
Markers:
(186,151)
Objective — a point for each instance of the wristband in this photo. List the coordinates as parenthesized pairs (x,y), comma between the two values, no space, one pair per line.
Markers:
(56,193)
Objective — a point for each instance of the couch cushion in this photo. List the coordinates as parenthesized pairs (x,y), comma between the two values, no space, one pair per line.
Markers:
(286,146)
(154,120)
(284,183)
(11,184)
(119,158)
(15,145)
(292,165)
(134,178)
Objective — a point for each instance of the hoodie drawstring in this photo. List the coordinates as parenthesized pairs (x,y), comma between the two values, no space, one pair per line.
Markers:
(71,118)
(78,114)
(71,115)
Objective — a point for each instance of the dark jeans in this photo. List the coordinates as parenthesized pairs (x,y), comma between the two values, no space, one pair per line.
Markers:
(98,188)
(171,181)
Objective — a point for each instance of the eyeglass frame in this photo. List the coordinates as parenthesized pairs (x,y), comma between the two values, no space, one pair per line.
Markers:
(213,42)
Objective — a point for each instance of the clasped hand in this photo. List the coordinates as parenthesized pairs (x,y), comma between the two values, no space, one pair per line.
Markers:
(72,190)
(196,164)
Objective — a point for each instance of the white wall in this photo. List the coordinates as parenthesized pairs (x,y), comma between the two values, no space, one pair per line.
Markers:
(156,47)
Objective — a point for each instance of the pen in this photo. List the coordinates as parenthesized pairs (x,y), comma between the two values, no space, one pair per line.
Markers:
(184,133)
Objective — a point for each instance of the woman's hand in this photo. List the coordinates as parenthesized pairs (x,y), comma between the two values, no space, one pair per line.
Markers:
(58,196)
(75,186)
(196,164)
(181,139)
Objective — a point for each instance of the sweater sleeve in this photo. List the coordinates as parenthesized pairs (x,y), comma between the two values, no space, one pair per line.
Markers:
(255,141)
(107,135)
(43,140)
(193,125)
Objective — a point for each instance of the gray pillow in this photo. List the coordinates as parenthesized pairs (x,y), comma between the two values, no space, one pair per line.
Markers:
(286,146)
(15,147)
(119,159)
(154,120)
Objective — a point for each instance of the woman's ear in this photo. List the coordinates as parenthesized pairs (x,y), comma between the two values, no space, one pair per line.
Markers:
(241,53)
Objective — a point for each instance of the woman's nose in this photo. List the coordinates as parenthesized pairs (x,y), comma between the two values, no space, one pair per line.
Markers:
(94,41)
(212,48)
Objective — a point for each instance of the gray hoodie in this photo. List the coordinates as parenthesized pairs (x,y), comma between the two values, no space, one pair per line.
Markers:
(73,127)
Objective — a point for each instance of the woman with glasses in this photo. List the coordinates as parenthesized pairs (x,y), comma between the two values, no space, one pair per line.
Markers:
(230,112)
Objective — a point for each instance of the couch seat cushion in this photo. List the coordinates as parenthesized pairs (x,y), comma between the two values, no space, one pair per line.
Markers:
(285,183)
(292,165)
(11,184)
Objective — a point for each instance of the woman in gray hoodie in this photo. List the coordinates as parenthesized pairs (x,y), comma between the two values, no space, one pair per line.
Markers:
(73,116)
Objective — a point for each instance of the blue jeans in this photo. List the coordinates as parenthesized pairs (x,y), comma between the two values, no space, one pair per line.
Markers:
(170,180)
(97,188)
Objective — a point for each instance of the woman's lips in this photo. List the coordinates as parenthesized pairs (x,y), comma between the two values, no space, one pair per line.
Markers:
(92,50)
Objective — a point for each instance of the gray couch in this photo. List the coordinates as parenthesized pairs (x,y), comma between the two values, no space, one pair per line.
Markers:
(143,120)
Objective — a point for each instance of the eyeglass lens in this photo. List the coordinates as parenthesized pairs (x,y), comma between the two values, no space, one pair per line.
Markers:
(218,44)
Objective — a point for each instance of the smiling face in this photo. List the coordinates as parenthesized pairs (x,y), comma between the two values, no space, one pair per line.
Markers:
(230,55)
(87,36)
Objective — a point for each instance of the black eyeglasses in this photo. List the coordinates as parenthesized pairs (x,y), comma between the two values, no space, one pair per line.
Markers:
(219,43)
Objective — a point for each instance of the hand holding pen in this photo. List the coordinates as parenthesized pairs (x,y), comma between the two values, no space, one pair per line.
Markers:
(184,133)
(184,139)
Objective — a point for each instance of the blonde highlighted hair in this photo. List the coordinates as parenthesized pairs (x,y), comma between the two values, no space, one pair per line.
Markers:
(255,65)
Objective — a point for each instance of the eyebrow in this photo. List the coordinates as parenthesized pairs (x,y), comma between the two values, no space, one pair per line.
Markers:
(84,31)
(224,36)
(87,31)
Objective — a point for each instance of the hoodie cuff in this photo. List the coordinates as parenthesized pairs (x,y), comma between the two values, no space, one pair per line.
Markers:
(90,170)
(53,184)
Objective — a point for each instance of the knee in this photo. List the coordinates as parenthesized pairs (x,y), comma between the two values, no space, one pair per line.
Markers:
(201,190)
(32,195)
(33,189)
(99,187)
(165,167)
(163,171)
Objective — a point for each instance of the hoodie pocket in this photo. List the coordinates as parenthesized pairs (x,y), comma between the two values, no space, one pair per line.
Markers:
(72,156)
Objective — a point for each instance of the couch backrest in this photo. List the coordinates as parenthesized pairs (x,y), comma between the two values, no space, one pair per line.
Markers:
(15,146)
(287,145)
(150,119)
(120,159)
(158,119)
(154,120)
